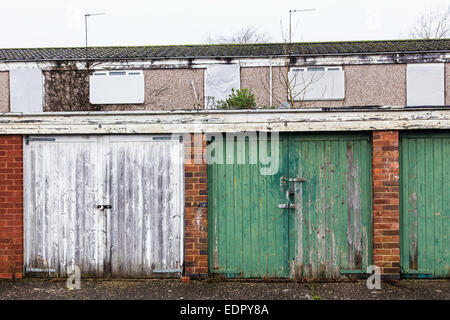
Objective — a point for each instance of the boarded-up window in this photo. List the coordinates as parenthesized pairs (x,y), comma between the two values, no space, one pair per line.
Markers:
(425,84)
(117,87)
(219,80)
(26,90)
(317,83)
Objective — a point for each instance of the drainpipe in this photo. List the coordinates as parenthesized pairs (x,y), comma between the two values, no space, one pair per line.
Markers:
(270,82)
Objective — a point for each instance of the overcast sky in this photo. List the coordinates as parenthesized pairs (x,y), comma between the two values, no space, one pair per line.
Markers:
(54,23)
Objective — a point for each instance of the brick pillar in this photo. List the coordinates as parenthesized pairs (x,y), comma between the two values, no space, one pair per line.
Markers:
(196,208)
(11,207)
(386,201)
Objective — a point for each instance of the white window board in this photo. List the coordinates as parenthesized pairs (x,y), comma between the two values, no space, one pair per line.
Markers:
(219,80)
(309,83)
(26,90)
(117,87)
(425,84)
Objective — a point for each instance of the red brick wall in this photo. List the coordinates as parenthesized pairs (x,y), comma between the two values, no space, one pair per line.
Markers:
(386,201)
(11,207)
(196,208)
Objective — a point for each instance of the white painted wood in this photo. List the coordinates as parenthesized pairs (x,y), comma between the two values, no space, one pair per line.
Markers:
(61,218)
(146,224)
(301,120)
(66,179)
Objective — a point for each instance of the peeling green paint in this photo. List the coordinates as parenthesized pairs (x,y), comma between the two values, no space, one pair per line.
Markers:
(328,230)
(425,204)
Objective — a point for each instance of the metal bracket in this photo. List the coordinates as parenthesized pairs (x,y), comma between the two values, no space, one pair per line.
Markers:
(40,270)
(28,139)
(297,180)
(286,206)
(283,180)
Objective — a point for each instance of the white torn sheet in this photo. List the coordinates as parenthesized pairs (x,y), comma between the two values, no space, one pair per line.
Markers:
(219,80)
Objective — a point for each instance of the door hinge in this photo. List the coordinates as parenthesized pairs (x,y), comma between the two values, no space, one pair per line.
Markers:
(28,139)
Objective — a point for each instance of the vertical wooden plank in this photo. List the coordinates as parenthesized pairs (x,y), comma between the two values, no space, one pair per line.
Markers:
(329,204)
(438,211)
(314,200)
(284,230)
(247,231)
(404,187)
(273,185)
(419,161)
(366,209)
(229,213)
(254,214)
(445,237)
(304,246)
(221,217)
(344,245)
(333,218)
(238,217)
(428,199)
(263,215)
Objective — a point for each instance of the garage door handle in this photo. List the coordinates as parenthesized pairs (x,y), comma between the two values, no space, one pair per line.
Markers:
(104,207)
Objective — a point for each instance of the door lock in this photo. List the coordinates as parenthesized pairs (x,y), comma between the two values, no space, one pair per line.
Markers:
(104,207)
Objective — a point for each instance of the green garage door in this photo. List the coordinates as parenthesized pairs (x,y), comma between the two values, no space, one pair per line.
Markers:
(425,204)
(311,219)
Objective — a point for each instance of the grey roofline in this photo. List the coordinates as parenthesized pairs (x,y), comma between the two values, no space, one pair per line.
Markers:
(233,57)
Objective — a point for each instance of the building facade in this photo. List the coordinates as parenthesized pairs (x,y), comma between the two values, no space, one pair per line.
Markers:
(121,165)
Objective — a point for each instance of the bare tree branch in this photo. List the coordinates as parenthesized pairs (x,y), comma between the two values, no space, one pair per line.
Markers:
(432,24)
(247,34)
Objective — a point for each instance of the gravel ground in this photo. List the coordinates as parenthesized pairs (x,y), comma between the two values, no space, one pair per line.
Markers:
(34,289)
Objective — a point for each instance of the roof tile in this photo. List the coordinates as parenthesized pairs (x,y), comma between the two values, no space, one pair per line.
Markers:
(226,50)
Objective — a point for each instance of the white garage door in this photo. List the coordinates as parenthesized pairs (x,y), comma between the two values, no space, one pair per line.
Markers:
(111,205)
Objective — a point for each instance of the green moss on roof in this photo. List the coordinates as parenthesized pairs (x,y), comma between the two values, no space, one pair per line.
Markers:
(225,50)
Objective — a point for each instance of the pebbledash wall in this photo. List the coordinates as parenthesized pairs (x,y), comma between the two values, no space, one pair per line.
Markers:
(386,223)
(172,89)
